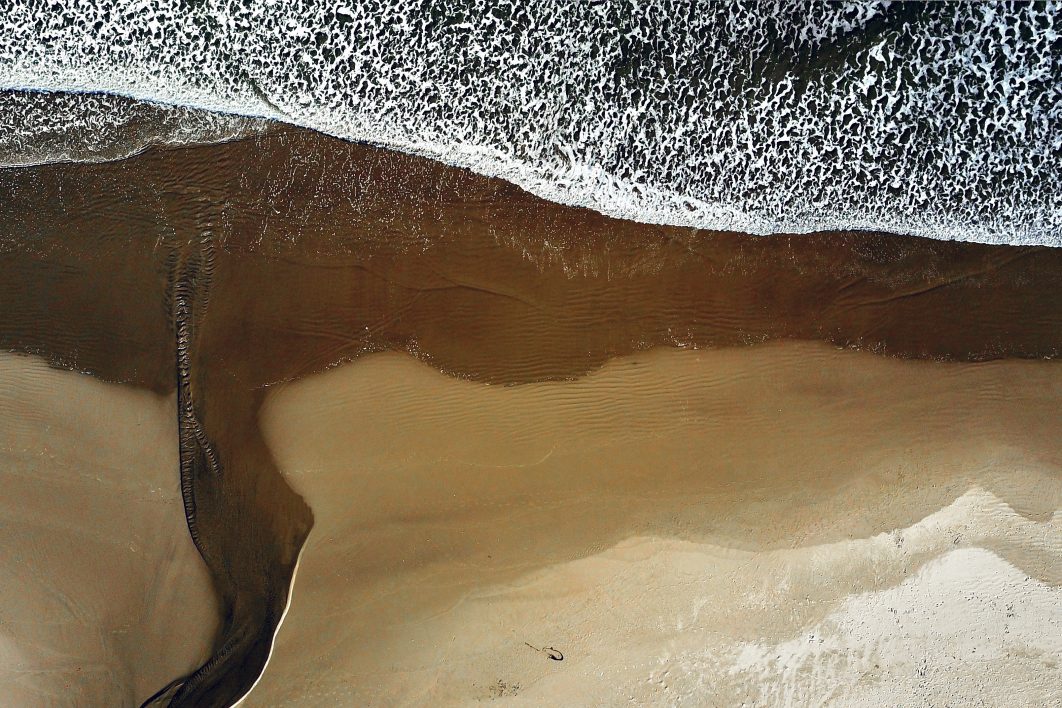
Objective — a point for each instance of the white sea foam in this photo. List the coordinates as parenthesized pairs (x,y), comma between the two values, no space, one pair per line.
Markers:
(938,120)
(38,128)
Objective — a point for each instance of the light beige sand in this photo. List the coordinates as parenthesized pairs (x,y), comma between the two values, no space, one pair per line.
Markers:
(787,524)
(104,597)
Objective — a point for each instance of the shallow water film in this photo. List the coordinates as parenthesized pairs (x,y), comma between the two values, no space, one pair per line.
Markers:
(612,356)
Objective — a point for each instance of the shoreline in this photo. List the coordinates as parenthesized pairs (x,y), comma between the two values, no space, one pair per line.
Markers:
(596,189)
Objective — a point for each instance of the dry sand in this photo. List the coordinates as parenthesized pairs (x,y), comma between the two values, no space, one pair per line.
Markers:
(105,598)
(787,524)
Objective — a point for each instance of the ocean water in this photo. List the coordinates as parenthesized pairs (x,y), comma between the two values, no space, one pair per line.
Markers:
(940,120)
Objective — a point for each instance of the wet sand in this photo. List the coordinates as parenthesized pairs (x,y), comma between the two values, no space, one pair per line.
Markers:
(105,598)
(226,272)
(777,524)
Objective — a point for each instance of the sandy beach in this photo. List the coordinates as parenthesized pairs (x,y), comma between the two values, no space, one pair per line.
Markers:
(105,597)
(781,524)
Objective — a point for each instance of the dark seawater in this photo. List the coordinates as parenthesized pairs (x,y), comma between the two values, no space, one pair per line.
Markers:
(939,120)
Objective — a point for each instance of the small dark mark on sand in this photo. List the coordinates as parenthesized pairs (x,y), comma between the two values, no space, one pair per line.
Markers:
(554,654)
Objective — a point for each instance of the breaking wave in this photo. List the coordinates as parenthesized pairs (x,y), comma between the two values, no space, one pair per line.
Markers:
(38,128)
(937,120)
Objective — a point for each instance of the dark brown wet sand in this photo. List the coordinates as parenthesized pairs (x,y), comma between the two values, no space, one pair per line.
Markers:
(234,267)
